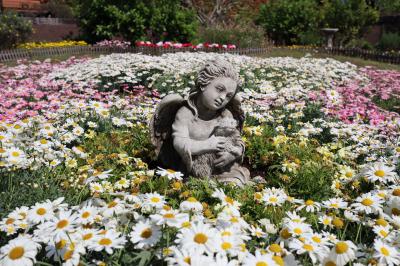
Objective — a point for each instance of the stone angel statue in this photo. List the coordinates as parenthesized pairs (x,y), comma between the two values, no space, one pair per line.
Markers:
(200,135)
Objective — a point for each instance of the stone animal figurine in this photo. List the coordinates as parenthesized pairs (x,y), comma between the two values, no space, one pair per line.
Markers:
(196,135)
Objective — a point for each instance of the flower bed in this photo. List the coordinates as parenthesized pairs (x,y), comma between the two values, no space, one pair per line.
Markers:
(82,185)
(32,45)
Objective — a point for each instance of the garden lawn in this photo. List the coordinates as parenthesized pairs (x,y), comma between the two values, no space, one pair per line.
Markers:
(80,184)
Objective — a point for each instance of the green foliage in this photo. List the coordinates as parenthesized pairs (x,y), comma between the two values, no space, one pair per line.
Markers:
(389,41)
(388,6)
(243,36)
(134,20)
(351,17)
(287,21)
(13,30)
(360,43)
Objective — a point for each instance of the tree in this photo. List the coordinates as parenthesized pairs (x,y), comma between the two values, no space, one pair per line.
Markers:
(211,13)
(351,17)
(135,20)
(287,21)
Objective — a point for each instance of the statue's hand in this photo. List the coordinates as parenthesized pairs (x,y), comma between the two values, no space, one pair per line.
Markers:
(216,143)
(224,159)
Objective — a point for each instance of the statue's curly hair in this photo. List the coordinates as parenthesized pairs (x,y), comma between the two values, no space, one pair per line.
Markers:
(211,70)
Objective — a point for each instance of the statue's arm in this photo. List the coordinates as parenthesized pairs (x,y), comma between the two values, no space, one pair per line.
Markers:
(183,144)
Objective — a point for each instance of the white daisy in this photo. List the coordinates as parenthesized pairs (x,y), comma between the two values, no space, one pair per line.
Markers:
(386,254)
(145,234)
(154,200)
(368,203)
(109,241)
(379,171)
(309,205)
(199,236)
(335,203)
(40,212)
(169,173)
(19,251)
(170,217)
(343,252)
(191,204)
(259,259)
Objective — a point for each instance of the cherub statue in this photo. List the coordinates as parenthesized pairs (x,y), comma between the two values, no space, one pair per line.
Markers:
(200,135)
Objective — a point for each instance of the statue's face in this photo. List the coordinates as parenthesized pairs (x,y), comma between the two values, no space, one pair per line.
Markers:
(218,93)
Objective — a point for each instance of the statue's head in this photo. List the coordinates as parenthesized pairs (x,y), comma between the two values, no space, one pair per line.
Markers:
(216,85)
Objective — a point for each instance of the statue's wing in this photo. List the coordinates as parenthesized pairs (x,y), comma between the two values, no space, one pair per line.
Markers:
(235,106)
(163,118)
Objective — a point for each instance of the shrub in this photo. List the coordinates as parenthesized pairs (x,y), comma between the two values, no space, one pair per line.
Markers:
(351,17)
(135,20)
(13,30)
(389,41)
(244,36)
(286,21)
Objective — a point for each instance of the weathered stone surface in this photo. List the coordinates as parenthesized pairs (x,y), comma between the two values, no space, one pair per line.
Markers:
(200,135)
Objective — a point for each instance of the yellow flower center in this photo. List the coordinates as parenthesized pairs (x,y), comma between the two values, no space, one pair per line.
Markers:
(396,192)
(192,199)
(187,260)
(298,231)
(155,199)
(258,196)
(367,202)
(146,233)
(41,211)
(234,220)
(186,224)
(169,215)
(273,199)
(226,233)
(341,247)
(200,238)
(309,202)
(112,204)
(43,141)
(261,263)
(308,247)
(380,173)
(170,171)
(381,221)
(10,221)
(334,205)
(383,233)
(61,244)
(61,224)
(275,248)
(285,234)
(87,236)
(68,254)
(396,211)
(338,222)
(385,251)
(316,239)
(330,263)
(105,242)
(85,215)
(226,245)
(229,200)
(16,253)
(279,260)
(15,153)
(349,174)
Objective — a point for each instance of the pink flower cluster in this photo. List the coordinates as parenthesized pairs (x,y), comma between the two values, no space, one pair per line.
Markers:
(357,98)
(25,90)
(185,45)
(113,43)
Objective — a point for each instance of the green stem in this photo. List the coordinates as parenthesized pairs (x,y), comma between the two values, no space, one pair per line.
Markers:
(358,232)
